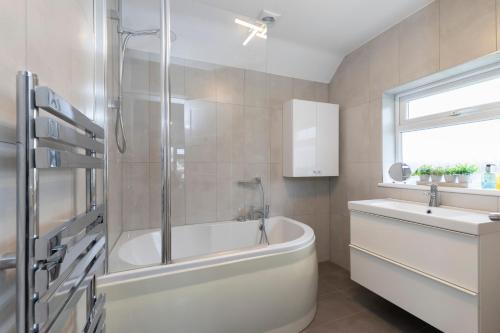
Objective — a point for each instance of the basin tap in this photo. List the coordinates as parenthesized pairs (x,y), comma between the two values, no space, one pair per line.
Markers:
(434,196)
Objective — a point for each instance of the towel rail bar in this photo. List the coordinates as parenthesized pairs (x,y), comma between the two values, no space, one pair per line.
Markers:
(56,269)
(50,129)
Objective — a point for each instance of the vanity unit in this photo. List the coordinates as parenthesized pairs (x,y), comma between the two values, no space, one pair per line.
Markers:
(440,264)
(310,139)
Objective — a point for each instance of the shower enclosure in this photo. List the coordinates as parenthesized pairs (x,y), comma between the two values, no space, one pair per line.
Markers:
(188,198)
(188,118)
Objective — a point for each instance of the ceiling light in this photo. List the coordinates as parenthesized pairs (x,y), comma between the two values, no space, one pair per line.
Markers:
(249,38)
(250,25)
(259,30)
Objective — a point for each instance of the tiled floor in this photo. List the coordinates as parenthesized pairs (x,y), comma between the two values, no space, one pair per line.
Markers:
(345,306)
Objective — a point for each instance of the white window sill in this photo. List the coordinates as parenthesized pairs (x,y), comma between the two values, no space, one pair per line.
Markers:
(472,191)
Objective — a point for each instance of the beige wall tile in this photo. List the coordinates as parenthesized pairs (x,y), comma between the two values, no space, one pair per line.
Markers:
(374,128)
(467,30)
(178,193)
(256,91)
(339,240)
(256,121)
(201,192)
(59,191)
(177,81)
(280,204)
(413,195)
(229,85)
(136,73)
(252,193)
(200,123)
(136,196)
(154,113)
(361,139)
(155,77)
(303,89)
(384,62)
(322,233)
(498,23)
(200,83)
(135,121)
(154,195)
(276,135)
(177,135)
(322,195)
(230,196)
(477,202)
(62,61)
(280,90)
(230,133)
(302,194)
(359,181)
(338,195)
(8,194)
(12,57)
(115,192)
(419,44)
(321,92)
(352,83)
(320,223)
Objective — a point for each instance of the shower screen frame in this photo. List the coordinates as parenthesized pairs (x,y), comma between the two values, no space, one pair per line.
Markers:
(166,226)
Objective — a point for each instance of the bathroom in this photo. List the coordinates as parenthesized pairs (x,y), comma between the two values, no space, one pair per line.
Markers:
(249,166)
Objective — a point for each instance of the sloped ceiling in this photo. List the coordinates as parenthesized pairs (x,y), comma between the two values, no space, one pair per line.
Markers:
(309,40)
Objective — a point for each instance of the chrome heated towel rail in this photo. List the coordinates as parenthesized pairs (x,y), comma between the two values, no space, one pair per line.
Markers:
(56,270)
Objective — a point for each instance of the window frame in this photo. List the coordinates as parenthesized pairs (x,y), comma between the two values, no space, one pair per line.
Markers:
(459,116)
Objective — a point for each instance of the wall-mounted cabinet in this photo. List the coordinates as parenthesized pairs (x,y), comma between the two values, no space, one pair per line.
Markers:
(310,139)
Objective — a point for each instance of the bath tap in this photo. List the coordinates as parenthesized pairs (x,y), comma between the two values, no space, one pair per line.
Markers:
(263,212)
(254,214)
(434,196)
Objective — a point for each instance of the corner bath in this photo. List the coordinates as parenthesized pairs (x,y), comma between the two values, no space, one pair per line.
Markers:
(221,280)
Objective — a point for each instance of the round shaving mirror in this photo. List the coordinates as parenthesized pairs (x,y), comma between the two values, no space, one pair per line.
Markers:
(400,172)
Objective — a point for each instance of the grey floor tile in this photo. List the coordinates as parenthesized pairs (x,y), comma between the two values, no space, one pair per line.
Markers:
(345,306)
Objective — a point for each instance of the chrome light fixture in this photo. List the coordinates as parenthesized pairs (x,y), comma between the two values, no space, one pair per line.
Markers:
(256,30)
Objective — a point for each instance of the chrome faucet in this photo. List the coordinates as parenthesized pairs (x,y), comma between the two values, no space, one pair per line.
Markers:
(262,212)
(434,196)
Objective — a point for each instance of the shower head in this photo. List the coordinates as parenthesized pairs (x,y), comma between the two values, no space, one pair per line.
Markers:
(253,181)
(134,33)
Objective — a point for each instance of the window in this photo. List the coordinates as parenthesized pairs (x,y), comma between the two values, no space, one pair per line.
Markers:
(450,122)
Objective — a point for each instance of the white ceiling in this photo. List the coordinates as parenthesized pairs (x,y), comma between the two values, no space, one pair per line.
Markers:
(309,41)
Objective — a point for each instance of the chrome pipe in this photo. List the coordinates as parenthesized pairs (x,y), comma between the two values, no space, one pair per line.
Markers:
(7,261)
(27,198)
(134,33)
(166,228)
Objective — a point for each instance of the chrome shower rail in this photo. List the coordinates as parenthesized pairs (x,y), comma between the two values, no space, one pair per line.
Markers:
(56,270)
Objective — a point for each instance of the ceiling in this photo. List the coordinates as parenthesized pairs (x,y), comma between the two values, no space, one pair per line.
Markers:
(309,40)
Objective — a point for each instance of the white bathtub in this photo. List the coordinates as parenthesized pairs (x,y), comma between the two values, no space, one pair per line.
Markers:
(220,280)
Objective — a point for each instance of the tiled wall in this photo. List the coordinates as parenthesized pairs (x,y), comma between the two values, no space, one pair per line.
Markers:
(35,35)
(226,126)
(443,34)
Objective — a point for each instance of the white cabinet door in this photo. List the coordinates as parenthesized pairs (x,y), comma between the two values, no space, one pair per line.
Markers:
(305,133)
(327,142)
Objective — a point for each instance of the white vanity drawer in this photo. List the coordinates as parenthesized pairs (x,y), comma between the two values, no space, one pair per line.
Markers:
(446,307)
(447,255)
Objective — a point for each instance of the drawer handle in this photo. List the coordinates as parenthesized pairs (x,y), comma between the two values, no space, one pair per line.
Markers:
(451,285)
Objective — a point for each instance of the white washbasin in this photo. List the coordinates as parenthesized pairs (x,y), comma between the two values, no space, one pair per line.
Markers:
(456,219)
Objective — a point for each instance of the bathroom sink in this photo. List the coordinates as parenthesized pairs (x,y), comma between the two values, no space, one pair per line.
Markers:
(456,219)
